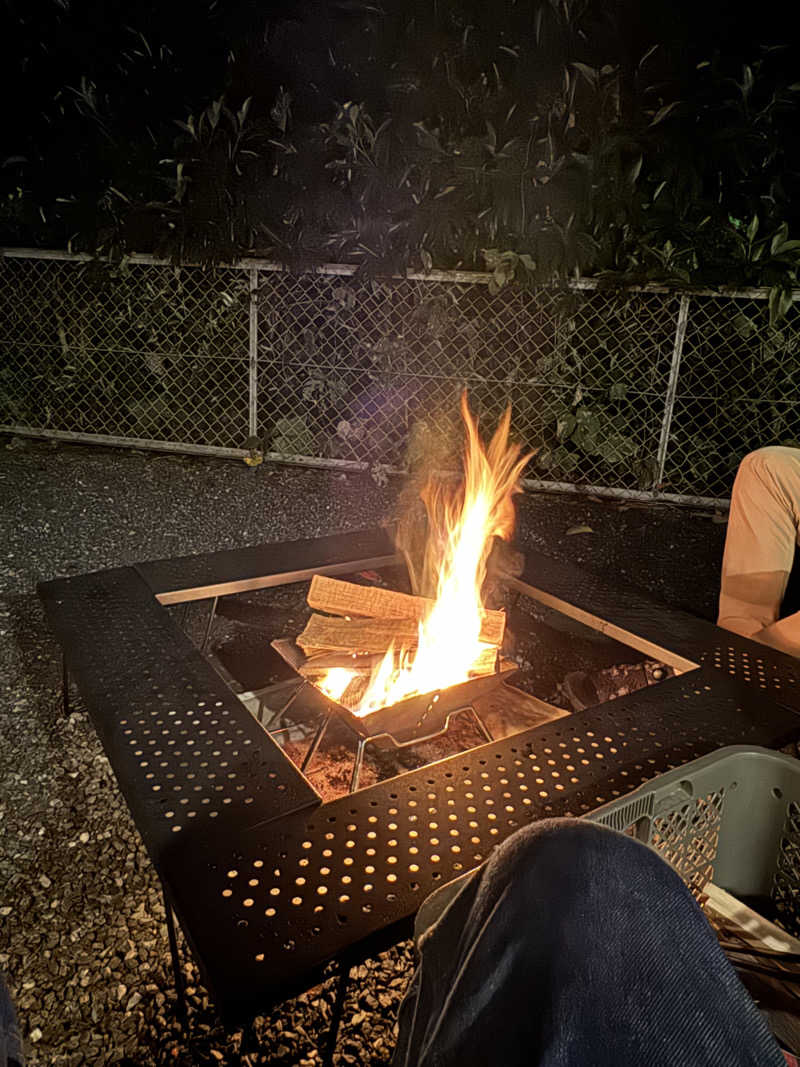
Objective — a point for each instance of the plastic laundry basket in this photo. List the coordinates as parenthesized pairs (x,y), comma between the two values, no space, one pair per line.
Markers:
(732,817)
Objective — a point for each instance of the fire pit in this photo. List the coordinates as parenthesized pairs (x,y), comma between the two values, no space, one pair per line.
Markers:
(398,665)
(409,722)
(268,883)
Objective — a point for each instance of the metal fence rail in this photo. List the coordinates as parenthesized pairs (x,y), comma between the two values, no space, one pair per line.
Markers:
(637,392)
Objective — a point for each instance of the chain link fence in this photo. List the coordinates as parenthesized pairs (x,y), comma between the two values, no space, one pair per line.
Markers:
(642,392)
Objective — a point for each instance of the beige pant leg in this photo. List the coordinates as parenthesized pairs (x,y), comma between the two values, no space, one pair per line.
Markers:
(759,548)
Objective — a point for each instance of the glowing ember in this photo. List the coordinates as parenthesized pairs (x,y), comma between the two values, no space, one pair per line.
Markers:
(335,682)
(462,520)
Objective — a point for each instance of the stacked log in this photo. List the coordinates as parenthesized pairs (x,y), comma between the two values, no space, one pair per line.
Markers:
(354,626)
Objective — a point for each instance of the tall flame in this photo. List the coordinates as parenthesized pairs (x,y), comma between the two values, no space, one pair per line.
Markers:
(462,521)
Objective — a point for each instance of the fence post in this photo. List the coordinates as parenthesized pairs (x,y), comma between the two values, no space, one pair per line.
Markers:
(672,387)
(253,378)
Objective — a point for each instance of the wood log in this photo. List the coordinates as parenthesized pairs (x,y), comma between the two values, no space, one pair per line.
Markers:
(324,634)
(320,662)
(316,676)
(485,662)
(354,694)
(357,635)
(336,597)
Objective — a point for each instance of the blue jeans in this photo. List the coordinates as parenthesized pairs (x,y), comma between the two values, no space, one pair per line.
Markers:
(10,1043)
(576,946)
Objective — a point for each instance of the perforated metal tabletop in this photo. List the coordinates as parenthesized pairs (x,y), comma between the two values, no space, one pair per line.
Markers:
(268,882)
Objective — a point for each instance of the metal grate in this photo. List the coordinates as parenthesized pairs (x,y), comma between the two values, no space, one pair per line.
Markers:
(742,660)
(276,884)
(166,720)
(311,886)
(625,391)
(632,615)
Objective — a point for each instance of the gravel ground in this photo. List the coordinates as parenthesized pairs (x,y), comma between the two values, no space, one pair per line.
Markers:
(82,939)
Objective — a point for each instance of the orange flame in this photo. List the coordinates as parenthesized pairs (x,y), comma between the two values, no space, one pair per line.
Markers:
(462,522)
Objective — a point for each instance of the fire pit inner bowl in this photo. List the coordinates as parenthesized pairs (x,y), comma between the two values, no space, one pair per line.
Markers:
(420,729)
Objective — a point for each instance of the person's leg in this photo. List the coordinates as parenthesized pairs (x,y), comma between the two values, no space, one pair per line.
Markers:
(11,1054)
(576,945)
(759,548)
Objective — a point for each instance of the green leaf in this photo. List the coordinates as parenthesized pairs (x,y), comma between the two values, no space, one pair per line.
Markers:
(242,112)
(780,235)
(589,74)
(774,304)
(634,170)
(647,55)
(744,326)
(564,460)
(662,113)
(752,229)
(565,424)
(188,126)
(580,529)
(616,448)
(537,23)
(748,81)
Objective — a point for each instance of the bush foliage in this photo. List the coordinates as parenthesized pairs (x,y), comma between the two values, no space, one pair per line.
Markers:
(538,139)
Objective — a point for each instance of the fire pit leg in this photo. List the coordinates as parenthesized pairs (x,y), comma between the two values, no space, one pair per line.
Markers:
(484,729)
(209,624)
(312,748)
(65,687)
(180,990)
(362,744)
(336,1015)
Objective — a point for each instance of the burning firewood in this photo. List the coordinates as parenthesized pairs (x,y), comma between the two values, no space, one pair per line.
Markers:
(323,633)
(370,602)
(319,662)
(356,635)
(448,634)
(346,598)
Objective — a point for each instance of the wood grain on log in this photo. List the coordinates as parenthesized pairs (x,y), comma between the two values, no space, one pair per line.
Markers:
(325,634)
(372,602)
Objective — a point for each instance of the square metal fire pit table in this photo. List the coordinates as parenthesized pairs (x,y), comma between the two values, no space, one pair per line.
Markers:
(268,883)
